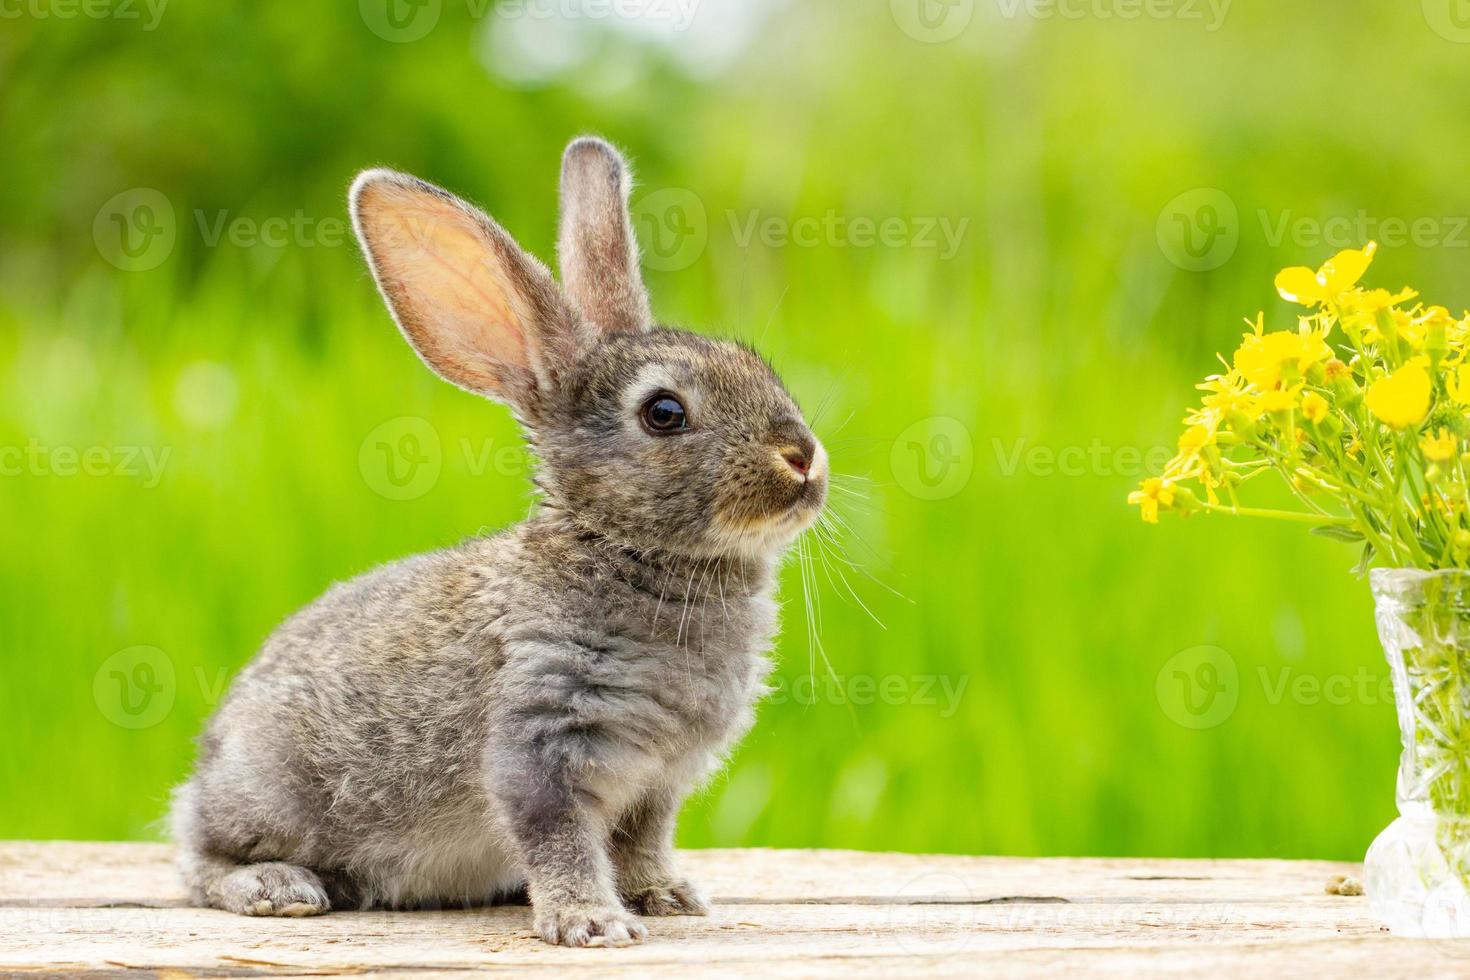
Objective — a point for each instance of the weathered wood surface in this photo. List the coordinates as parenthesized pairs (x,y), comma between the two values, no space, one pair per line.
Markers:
(117,910)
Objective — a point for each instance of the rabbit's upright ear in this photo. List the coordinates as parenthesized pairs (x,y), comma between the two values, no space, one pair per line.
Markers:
(479,310)
(595,244)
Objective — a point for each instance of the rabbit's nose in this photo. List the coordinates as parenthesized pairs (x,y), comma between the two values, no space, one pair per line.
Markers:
(797,459)
(798,448)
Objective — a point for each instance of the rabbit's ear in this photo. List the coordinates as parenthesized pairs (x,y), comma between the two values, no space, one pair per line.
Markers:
(596,247)
(479,310)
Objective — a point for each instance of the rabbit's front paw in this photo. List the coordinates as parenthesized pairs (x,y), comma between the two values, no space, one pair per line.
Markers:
(580,925)
(674,898)
(273,888)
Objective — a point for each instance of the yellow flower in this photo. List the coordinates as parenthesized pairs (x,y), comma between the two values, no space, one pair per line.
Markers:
(1457,331)
(1338,274)
(1314,407)
(1152,496)
(1421,325)
(1278,400)
(1198,458)
(1458,383)
(1196,438)
(1226,394)
(1370,301)
(1267,360)
(1440,447)
(1401,399)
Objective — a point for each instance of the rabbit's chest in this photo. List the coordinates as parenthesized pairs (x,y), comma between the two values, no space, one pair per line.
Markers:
(714,678)
(706,705)
(666,687)
(712,698)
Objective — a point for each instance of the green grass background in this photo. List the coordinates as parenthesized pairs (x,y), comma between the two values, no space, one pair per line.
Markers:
(1059,322)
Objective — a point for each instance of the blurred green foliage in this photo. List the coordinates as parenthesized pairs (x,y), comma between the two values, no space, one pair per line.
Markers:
(1023,695)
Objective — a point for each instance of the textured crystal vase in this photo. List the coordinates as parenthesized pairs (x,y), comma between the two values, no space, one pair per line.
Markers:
(1417,873)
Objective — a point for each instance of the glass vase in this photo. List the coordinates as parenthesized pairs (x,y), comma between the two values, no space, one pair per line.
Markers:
(1417,872)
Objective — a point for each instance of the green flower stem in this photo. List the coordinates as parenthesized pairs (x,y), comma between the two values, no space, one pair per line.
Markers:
(1436,767)
(1365,519)
(1419,486)
(1280,515)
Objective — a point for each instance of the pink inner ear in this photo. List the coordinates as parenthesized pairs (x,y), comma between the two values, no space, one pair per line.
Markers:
(448,284)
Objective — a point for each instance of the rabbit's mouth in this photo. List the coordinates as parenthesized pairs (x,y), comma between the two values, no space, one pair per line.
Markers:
(764,528)
(810,497)
(805,488)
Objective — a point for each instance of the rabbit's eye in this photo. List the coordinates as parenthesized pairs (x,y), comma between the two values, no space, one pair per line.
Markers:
(664,414)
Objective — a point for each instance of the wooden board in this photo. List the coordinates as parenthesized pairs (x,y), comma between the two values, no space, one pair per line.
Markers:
(117,910)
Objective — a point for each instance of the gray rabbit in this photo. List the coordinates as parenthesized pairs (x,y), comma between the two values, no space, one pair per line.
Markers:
(523,713)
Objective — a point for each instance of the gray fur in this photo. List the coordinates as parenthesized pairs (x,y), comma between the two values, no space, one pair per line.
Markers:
(525,711)
(599,255)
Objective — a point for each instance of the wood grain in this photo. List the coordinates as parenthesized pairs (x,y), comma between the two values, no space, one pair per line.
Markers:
(113,910)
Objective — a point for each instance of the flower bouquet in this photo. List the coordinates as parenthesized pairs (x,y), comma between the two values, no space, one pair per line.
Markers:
(1363,411)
